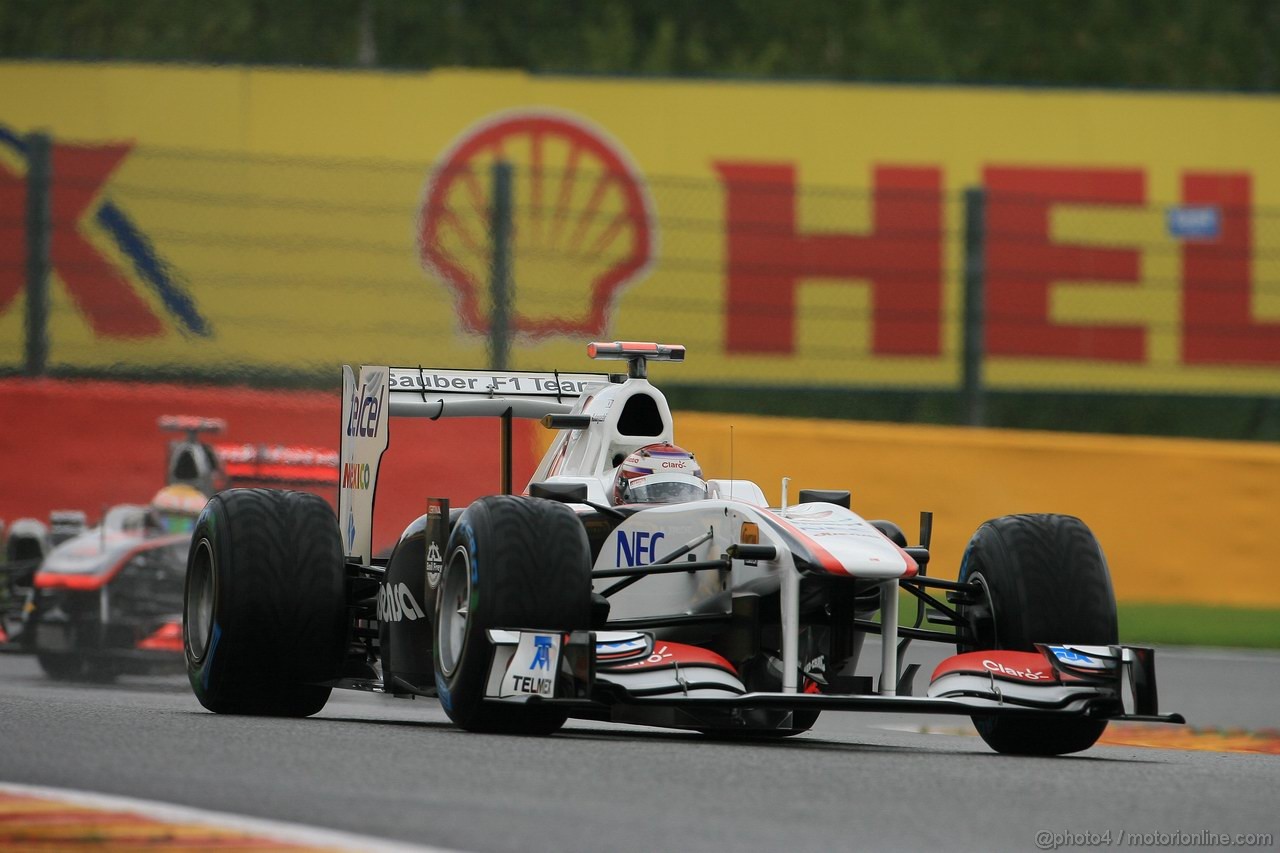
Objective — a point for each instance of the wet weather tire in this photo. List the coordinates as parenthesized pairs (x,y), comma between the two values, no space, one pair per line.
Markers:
(1048,582)
(264,611)
(510,563)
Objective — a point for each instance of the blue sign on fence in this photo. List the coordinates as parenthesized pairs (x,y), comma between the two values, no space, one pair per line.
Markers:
(1194,223)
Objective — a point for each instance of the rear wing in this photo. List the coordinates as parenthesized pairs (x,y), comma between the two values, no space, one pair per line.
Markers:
(212,467)
(254,464)
(192,425)
(418,392)
(386,392)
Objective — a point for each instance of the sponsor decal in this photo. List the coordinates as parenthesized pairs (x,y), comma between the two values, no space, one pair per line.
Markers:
(435,565)
(579,194)
(355,475)
(665,654)
(637,547)
(277,455)
(1077,658)
(366,407)
(542,653)
(473,382)
(396,603)
(437,533)
(364,439)
(532,669)
(528,685)
(661,654)
(627,645)
(1027,674)
(620,648)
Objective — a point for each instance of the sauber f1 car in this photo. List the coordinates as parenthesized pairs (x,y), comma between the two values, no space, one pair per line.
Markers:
(621,585)
(108,600)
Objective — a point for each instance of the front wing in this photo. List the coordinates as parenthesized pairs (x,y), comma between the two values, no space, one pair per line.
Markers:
(583,670)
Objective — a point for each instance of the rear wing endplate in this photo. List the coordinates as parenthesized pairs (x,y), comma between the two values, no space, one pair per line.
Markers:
(386,392)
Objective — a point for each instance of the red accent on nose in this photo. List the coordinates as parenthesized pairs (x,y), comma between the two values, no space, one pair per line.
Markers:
(167,638)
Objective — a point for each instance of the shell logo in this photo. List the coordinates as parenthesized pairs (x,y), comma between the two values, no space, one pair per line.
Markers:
(583,226)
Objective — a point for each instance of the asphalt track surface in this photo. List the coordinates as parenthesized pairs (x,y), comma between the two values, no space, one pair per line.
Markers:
(396,769)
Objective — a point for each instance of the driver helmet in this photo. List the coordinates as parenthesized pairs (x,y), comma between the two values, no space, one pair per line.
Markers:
(659,473)
(174,509)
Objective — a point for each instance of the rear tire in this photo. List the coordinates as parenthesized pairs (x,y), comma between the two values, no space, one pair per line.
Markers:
(264,608)
(1048,582)
(511,562)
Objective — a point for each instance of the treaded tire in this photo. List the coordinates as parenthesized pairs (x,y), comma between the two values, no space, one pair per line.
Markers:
(511,562)
(264,608)
(1048,583)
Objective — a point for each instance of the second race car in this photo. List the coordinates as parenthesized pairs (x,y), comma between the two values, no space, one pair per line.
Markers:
(94,603)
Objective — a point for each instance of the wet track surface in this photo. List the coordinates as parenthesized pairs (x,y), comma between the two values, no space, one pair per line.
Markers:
(396,769)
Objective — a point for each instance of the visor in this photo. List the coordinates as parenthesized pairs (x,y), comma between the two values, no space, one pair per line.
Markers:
(172,523)
(664,489)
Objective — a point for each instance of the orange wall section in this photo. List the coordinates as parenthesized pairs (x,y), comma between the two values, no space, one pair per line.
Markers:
(1181,521)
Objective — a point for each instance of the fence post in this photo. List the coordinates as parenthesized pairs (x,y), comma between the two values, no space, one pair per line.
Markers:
(975,270)
(500,285)
(39,227)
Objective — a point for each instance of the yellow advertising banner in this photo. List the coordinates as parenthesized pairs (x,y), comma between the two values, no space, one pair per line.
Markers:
(281,221)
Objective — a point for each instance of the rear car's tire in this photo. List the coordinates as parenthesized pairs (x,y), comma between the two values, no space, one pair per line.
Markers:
(62,666)
(1047,582)
(511,562)
(264,609)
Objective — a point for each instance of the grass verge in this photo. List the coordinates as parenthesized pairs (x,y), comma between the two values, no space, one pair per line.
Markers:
(1176,624)
(1199,625)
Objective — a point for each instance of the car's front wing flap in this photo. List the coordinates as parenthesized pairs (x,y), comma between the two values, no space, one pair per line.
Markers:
(883,704)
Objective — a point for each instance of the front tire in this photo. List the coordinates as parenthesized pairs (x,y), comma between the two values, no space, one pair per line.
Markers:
(61,666)
(1047,581)
(511,562)
(264,609)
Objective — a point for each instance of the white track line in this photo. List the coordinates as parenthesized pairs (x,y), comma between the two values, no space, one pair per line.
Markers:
(275,830)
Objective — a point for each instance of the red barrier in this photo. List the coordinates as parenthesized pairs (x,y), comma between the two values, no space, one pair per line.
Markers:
(88,445)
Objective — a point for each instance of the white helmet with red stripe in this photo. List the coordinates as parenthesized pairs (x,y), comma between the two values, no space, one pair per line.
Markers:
(659,473)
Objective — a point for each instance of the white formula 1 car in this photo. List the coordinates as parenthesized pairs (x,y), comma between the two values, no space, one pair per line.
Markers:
(623,586)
